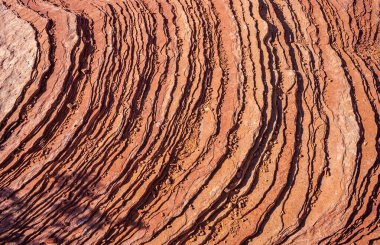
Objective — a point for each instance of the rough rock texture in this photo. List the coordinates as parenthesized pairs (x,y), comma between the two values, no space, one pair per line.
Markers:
(189,121)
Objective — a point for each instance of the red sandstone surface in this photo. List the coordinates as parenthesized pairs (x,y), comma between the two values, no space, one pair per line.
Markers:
(189,121)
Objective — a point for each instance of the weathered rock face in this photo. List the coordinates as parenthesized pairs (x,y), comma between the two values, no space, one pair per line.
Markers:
(189,121)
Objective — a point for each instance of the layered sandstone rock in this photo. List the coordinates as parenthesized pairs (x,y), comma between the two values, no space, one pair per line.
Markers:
(189,121)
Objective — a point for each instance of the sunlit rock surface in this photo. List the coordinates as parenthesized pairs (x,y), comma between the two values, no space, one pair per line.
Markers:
(189,121)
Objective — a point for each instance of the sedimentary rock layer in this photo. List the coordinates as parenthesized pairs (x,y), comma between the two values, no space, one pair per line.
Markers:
(189,121)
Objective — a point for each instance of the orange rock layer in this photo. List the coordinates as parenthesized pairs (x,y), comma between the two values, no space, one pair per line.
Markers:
(189,121)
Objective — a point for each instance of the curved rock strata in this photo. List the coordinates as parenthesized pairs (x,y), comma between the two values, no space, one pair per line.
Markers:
(189,121)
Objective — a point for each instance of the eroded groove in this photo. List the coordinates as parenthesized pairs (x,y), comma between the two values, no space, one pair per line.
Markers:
(189,121)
